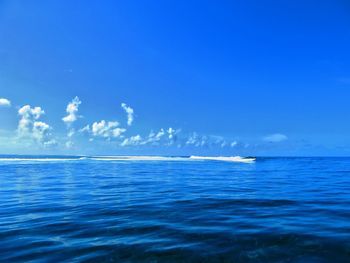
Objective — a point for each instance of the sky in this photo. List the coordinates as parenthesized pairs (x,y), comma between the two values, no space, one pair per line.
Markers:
(266,78)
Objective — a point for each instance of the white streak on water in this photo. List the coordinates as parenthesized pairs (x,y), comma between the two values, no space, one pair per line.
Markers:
(132,158)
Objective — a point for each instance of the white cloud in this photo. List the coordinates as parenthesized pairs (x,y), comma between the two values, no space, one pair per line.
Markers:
(233,144)
(211,141)
(277,137)
(196,140)
(165,137)
(69,144)
(27,111)
(159,135)
(40,129)
(172,133)
(133,140)
(130,113)
(5,102)
(105,129)
(32,128)
(85,129)
(117,132)
(50,143)
(71,133)
(223,144)
(72,110)
(28,116)
(154,138)
(29,126)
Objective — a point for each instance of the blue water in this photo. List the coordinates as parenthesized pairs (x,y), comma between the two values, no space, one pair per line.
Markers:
(83,210)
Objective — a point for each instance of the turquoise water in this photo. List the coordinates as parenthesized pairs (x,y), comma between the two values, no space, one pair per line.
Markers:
(85,210)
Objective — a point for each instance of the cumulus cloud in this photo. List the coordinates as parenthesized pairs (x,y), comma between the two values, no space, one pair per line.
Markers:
(218,141)
(72,110)
(233,144)
(85,129)
(72,115)
(133,140)
(157,136)
(277,137)
(154,138)
(163,136)
(105,129)
(30,127)
(172,133)
(130,113)
(50,143)
(197,140)
(223,144)
(69,144)
(209,141)
(40,129)
(5,102)
(28,116)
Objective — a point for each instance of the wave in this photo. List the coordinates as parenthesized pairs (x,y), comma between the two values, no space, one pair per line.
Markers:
(138,158)
(224,158)
(129,158)
(165,158)
(40,159)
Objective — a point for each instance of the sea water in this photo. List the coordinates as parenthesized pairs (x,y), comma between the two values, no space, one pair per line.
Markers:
(74,209)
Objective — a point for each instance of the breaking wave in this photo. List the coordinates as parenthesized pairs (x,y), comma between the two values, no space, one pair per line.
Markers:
(224,158)
(138,158)
(165,158)
(30,159)
(40,159)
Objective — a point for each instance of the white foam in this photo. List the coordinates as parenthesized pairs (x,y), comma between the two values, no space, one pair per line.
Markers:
(164,158)
(224,158)
(133,158)
(39,159)
(138,158)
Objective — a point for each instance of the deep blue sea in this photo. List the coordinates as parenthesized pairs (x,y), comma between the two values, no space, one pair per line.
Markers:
(85,210)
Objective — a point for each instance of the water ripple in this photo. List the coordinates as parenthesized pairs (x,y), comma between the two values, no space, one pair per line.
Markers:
(275,210)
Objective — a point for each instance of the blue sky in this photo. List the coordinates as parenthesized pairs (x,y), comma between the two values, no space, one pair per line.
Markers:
(227,77)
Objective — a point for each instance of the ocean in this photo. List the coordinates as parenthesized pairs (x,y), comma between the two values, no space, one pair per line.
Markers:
(72,209)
